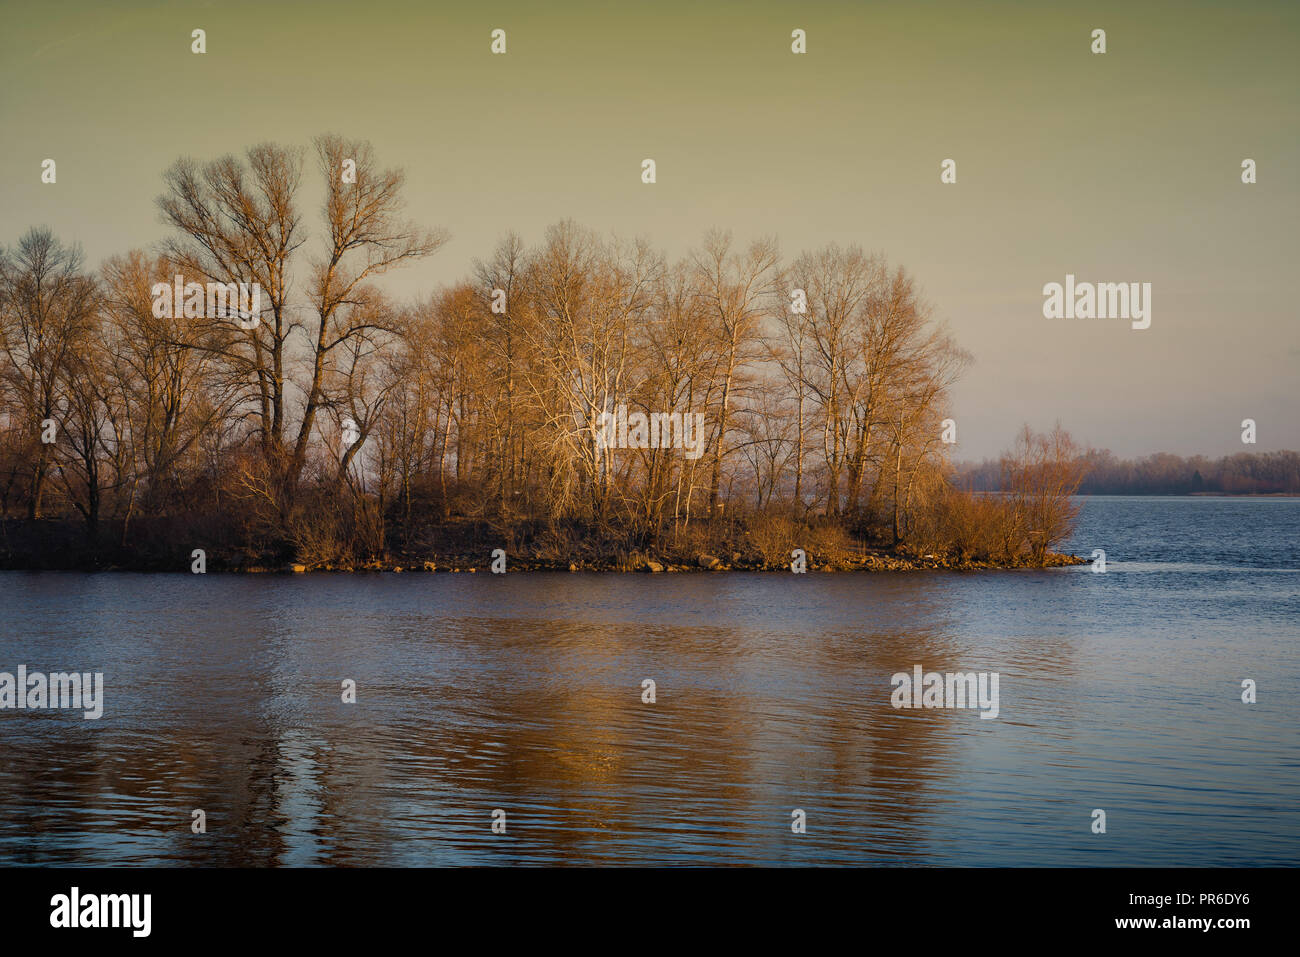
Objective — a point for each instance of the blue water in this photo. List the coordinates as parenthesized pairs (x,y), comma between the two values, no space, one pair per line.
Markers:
(1118,691)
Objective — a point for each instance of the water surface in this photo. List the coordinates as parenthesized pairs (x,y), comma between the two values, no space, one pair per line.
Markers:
(522,692)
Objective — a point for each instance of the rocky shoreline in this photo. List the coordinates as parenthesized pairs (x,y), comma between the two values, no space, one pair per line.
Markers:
(55,546)
(874,562)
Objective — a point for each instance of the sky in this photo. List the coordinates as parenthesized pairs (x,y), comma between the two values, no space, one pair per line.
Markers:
(1116,167)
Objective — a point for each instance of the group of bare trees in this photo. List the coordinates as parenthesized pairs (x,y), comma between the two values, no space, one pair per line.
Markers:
(342,424)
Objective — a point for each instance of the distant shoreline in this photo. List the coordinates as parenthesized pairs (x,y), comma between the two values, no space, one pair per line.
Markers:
(1188,495)
(1164,494)
(1217,494)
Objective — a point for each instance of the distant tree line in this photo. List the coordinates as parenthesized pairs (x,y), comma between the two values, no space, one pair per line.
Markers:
(1245,473)
(344,427)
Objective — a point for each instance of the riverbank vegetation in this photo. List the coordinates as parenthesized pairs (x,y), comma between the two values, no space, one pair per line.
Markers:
(345,429)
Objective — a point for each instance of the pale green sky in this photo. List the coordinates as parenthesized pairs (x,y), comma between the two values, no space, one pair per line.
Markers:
(1116,167)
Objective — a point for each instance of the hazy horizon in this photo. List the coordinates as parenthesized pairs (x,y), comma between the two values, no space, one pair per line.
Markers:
(1122,167)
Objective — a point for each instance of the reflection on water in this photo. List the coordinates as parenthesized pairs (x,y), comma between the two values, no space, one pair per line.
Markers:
(522,692)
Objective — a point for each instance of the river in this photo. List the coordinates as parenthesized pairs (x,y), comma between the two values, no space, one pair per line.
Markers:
(1119,691)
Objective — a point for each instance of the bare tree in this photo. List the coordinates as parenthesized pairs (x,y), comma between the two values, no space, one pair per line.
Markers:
(46,314)
(239,222)
(734,288)
(1041,473)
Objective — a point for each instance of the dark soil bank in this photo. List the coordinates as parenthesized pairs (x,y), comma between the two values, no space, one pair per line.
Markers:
(55,545)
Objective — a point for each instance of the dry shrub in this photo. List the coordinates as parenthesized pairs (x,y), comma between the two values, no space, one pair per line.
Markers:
(828,543)
(981,528)
(317,538)
(773,537)
(974,527)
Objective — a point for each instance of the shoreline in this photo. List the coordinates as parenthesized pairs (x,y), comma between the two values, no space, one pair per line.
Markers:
(876,562)
(470,547)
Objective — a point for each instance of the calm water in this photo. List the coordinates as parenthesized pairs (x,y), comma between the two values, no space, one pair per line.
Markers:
(1118,691)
